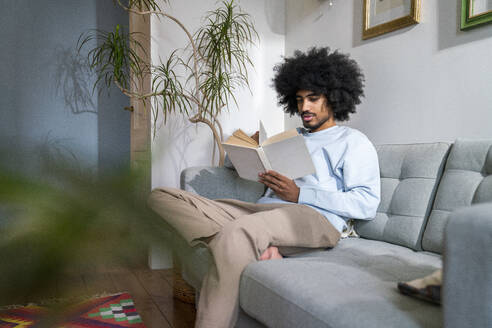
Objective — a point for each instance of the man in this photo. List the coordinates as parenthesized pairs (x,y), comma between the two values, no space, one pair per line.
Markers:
(309,212)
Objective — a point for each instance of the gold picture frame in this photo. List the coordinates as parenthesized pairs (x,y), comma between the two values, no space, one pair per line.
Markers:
(384,16)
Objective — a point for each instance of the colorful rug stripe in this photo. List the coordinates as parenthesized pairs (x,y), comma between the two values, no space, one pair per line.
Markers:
(113,311)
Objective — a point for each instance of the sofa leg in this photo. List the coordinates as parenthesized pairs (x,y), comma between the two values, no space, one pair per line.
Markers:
(160,257)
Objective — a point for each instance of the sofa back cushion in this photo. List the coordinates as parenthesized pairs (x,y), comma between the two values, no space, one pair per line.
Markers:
(467,179)
(220,182)
(409,176)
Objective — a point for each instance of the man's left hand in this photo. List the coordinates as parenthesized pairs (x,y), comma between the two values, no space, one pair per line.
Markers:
(284,187)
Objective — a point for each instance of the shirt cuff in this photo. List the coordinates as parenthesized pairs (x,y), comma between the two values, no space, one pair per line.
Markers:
(306,196)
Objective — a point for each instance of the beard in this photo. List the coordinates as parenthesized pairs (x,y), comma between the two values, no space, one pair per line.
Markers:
(311,126)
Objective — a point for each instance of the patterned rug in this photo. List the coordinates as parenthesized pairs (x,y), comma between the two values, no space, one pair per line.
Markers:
(110,312)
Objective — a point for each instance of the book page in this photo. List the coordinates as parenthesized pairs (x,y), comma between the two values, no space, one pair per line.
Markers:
(263,134)
(290,157)
(280,136)
(243,136)
(264,160)
(233,140)
(247,161)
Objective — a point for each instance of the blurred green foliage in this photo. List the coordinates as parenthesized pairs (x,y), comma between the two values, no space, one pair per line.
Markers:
(68,220)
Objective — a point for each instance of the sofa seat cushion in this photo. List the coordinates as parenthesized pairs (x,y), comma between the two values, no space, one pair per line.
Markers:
(352,285)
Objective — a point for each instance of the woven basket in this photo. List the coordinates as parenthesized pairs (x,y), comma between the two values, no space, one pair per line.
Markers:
(182,290)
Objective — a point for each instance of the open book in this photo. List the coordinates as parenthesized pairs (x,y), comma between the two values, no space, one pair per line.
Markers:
(285,153)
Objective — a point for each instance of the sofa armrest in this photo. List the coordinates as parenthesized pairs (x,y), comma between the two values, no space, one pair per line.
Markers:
(220,182)
(467,281)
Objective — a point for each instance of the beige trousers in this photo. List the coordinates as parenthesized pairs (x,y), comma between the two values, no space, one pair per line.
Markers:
(240,232)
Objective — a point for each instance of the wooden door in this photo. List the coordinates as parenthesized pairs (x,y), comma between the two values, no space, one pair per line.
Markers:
(140,148)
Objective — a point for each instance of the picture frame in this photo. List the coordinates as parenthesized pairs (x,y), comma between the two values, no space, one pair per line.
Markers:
(475,13)
(384,16)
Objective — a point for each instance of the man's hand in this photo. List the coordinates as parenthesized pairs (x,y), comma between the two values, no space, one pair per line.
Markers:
(284,187)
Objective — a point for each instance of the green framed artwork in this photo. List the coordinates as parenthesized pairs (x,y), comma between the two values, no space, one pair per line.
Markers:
(475,12)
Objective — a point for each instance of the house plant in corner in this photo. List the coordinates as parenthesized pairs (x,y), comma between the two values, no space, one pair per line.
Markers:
(216,65)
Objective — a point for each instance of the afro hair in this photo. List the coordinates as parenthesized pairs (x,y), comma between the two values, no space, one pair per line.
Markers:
(334,75)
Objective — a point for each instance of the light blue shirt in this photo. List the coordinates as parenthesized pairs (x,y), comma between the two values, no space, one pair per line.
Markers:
(346,184)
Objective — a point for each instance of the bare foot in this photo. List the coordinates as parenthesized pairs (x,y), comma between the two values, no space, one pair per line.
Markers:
(271,253)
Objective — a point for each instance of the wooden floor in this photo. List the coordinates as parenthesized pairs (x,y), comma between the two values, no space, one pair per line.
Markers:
(151,290)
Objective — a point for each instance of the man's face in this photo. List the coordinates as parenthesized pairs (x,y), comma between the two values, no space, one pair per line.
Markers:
(314,110)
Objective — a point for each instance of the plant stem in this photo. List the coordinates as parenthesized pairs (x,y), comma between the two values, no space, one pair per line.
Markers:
(132,94)
(196,119)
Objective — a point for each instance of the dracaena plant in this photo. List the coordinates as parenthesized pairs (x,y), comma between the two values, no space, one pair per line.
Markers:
(216,67)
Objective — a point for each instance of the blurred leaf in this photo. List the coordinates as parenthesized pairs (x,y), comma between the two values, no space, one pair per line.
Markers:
(70,220)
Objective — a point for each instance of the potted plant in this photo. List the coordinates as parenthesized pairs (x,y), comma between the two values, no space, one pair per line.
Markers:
(216,67)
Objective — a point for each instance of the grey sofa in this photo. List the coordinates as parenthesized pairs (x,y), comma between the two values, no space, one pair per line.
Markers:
(429,217)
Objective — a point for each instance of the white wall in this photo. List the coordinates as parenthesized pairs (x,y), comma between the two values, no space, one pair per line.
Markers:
(424,83)
(178,143)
